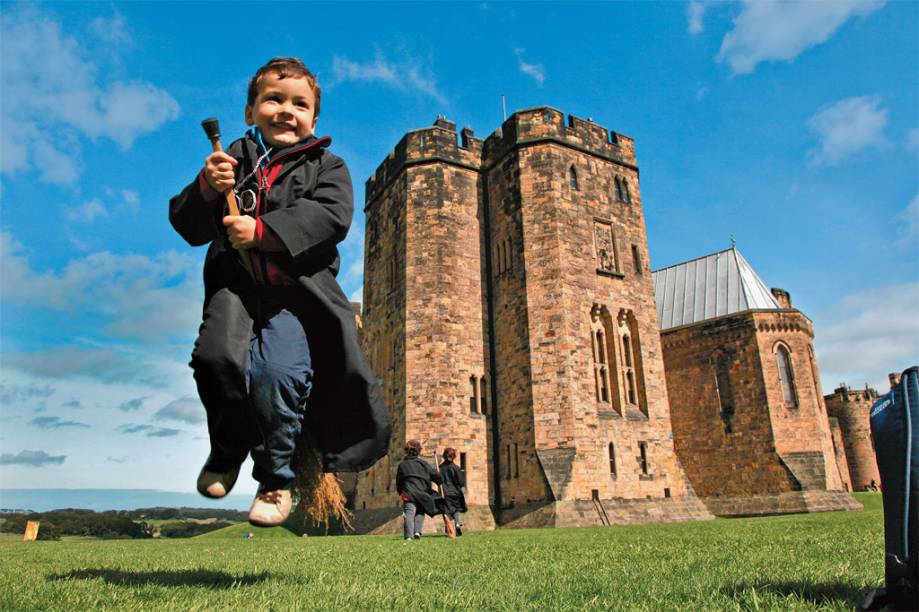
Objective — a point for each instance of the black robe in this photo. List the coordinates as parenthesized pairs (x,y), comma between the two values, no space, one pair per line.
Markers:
(413,481)
(454,481)
(309,207)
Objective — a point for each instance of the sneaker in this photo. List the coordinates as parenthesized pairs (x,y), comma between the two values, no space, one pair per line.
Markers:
(270,508)
(417,536)
(459,530)
(216,484)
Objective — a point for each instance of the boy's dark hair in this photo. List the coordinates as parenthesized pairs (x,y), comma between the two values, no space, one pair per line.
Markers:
(413,448)
(284,67)
(449,454)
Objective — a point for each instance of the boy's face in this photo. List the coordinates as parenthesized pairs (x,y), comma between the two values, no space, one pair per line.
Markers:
(284,110)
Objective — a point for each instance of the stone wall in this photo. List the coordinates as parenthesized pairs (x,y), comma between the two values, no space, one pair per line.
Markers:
(852,410)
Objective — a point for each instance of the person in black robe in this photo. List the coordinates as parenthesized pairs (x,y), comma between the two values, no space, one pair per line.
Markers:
(413,482)
(454,481)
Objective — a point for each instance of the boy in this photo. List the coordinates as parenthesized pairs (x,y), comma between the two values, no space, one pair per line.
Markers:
(413,483)
(284,333)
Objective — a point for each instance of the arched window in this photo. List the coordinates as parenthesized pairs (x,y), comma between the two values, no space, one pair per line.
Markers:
(573,178)
(612,460)
(601,369)
(631,371)
(786,375)
(723,389)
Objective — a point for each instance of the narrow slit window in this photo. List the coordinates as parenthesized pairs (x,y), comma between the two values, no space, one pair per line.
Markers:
(636,259)
(507,454)
(516,461)
(473,395)
(573,178)
(612,459)
(643,457)
(463,462)
(483,395)
(625,192)
(783,360)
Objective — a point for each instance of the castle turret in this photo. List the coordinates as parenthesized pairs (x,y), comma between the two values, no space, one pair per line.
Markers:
(852,410)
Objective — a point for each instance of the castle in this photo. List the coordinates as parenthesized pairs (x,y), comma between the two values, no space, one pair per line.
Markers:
(509,312)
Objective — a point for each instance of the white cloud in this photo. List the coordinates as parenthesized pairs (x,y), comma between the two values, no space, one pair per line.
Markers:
(411,74)
(846,127)
(912,140)
(185,409)
(112,30)
(908,222)
(534,71)
(872,333)
(695,12)
(88,211)
(60,95)
(135,296)
(773,30)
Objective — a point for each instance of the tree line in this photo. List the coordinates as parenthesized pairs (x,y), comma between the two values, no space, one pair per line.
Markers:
(125,524)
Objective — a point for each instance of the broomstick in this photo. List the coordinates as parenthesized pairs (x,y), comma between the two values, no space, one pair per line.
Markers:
(449,527)
(212,129)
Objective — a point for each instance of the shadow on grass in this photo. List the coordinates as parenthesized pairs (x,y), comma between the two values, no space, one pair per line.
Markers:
(823,593)
(176,578)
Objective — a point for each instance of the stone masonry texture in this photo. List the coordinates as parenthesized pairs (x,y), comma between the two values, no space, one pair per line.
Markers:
(509,313)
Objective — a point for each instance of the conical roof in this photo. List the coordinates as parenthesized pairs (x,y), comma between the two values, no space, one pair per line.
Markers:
(716,285)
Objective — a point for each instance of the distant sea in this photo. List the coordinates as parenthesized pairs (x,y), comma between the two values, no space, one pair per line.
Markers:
(42,500)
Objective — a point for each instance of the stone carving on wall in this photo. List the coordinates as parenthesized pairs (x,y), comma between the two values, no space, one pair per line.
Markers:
(605,248)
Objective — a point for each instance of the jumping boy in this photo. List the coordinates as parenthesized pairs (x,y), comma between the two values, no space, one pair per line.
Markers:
(282,331)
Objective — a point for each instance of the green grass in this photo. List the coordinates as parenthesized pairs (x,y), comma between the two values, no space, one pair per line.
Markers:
(237,531)
(799,562)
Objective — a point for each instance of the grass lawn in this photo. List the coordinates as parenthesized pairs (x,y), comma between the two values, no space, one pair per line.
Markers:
(799,562)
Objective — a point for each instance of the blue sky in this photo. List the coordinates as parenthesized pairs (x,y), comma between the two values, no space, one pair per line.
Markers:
(792,126)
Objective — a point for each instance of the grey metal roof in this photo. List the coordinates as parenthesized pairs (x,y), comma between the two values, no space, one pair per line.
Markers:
(719,284)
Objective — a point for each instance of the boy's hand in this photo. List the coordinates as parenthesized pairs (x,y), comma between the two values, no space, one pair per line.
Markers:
(218,171)
(241,231)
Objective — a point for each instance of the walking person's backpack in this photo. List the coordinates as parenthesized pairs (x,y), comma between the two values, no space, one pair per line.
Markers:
(895,431)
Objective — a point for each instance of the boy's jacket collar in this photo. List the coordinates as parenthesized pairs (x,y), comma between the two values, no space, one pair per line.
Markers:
(309,143)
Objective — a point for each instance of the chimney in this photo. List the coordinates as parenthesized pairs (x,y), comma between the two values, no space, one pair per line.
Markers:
(782,297)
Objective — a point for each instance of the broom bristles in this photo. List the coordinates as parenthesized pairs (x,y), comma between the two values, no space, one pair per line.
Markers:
(319,494)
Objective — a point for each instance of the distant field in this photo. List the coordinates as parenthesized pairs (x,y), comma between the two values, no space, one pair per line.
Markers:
(800,562)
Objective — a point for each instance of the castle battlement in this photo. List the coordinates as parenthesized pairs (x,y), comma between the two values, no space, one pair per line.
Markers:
(854,399)
(546,124)
(435,143)
(541,124)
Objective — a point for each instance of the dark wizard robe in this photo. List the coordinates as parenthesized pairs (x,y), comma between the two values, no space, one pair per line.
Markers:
(309,208)
(454,481)
(413,481)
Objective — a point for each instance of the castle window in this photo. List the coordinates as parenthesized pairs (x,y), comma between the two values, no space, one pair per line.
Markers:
(630,366)
(605,358)
(507,471)
(724,392)
(605,248)
(547,117)
(612,460)
(601,370)
(643,457)
(636,259)
(483,395)
(516,461)
(421,142)
(786,375)
(373,482)
(619,195)
(626,197)
(463,462)
(473,395)
(510,255)
(573,178)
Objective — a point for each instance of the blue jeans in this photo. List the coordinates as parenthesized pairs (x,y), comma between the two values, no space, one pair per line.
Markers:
(254,373)
(412,520)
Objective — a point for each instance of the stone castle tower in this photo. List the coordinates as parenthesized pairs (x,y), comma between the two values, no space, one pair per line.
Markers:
(852,411)
(509,312)
(749,420)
